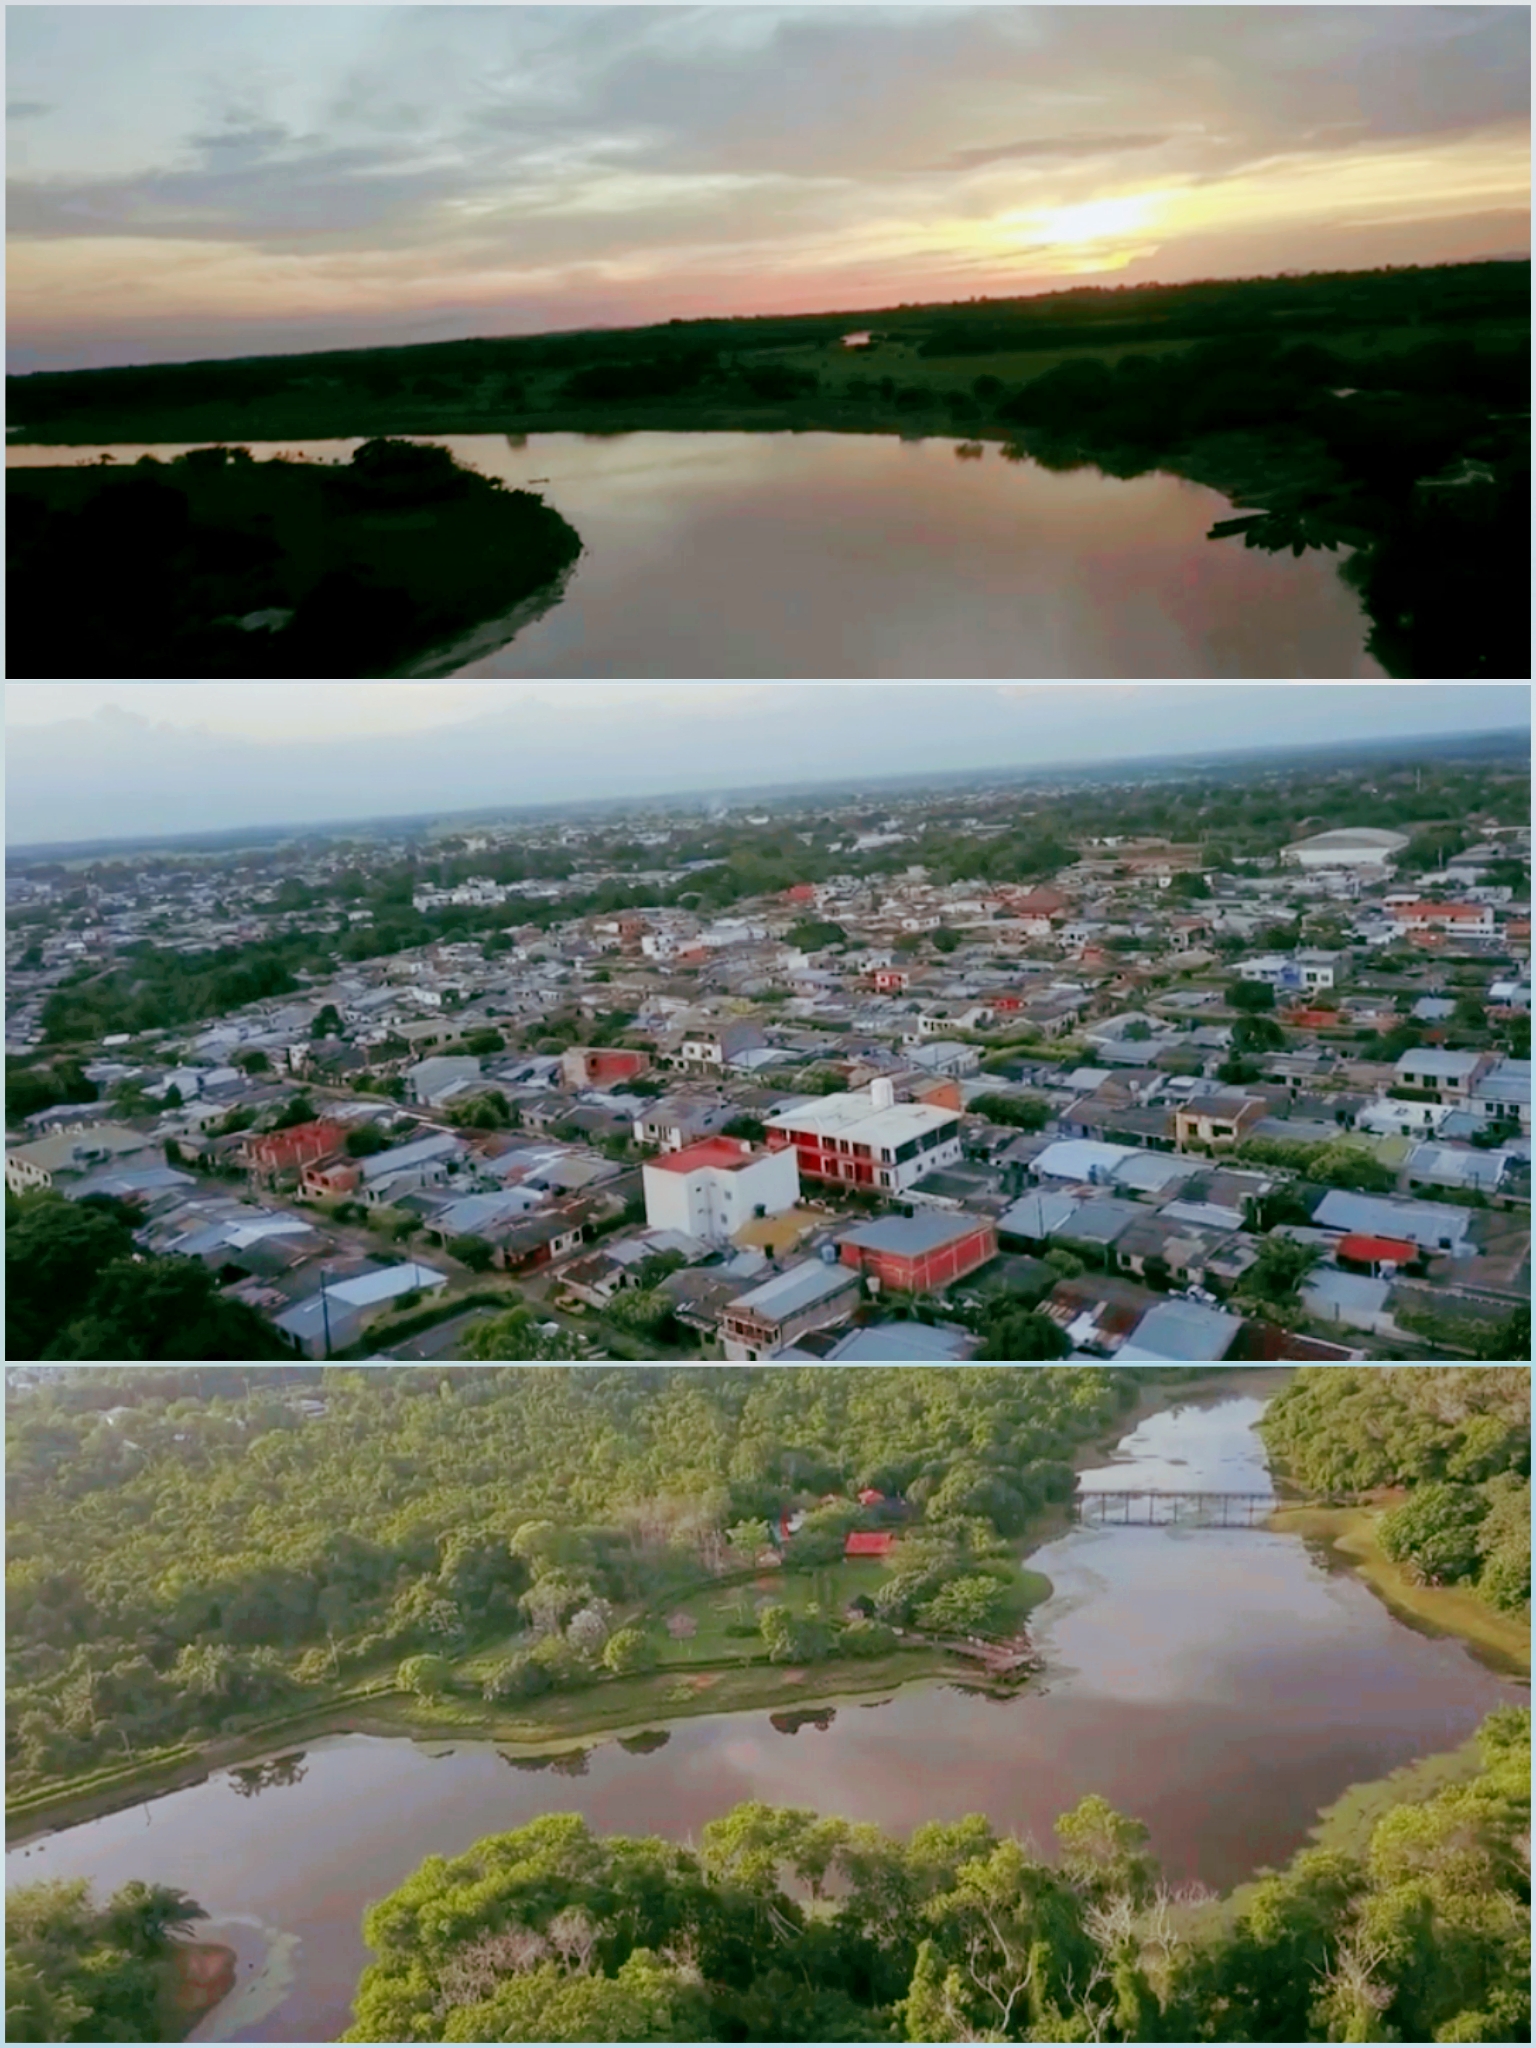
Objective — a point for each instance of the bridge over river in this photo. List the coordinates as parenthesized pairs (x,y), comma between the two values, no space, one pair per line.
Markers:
(1155,1507)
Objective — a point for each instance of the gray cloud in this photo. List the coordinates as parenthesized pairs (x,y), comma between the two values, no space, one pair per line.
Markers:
(26,110)
(1050,146)
(592,144)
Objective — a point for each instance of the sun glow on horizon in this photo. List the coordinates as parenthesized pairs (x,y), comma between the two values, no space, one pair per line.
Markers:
(1096,220)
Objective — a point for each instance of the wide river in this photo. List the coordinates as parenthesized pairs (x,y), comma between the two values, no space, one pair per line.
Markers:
(1220,1685)
(865,555)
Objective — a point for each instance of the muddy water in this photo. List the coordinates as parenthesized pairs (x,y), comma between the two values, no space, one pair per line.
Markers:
(1221,1685)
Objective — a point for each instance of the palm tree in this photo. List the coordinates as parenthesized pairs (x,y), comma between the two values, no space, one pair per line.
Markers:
(145,1916)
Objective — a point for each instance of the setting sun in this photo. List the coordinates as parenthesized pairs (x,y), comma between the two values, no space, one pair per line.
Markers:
(1096,219)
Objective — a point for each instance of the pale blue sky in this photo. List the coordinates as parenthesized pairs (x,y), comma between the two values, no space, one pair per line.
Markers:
(225,180)
(88,760)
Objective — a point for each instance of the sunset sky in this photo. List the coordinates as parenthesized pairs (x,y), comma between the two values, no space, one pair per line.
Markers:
(215,181)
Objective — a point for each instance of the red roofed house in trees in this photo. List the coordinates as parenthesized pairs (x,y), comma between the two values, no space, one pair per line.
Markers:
(868,1543)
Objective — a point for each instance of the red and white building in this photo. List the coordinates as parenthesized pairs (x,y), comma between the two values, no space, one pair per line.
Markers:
(710,1189)
(1470,920)
(920,1254)
(868,1139)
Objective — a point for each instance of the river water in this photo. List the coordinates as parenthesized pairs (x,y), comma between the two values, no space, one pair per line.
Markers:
(1220,1685)
(865,555)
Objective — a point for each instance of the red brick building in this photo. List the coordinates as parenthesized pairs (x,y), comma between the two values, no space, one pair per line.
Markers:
(273,1152)
(920,1254)
(601,1066)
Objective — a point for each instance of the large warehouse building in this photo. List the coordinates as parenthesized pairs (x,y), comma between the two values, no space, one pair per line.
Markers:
(1353,846)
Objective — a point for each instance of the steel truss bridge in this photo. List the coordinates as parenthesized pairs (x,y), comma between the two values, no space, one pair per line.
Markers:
(1152,1507)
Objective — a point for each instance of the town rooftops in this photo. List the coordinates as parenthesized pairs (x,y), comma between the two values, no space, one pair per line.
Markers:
(1435,1059)
(801,1287)
(905,1343)
(1437,1226)
(1081,1159)
(417,1153)
(1352,839)
(79,1148)
(727,1155)
(1180,1332)
(1367,1250)
(1449,913)
(910,1236)
(367,1288)
(834,1116)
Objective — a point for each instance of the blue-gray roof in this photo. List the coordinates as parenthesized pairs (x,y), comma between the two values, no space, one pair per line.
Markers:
(910,1236)
(1181,1333)
(801,1287)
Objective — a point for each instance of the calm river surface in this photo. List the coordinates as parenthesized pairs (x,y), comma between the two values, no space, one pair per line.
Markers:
(864,555)
(1222,1686)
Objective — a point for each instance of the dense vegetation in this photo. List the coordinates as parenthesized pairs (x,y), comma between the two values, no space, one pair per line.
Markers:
(1420,461)
(335,571)
(509,380)
(1458,1438)
(77,1286)
(204,1554)
(785,1926)
(79,1971)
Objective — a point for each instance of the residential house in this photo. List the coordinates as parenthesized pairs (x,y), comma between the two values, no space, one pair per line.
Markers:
(49,1160)
(1449,1076)
(601,1066)
(270,1153)
(919,1254)
(1217,1119)
(868,1139)
(710,1189)
(768,1318)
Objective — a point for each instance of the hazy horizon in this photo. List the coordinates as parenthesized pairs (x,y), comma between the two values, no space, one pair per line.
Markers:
(100,761)
(219,181)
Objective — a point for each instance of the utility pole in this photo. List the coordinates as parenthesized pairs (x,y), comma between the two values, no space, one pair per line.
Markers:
(325,1313)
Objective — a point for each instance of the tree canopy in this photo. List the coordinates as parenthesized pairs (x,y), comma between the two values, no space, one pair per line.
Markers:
(786,1925)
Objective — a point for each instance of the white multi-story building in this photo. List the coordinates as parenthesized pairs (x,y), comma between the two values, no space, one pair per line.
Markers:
(869,1139)
(709,1190)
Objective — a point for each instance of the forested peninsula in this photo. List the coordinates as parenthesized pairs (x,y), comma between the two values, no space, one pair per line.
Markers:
(201,1560)
(210,564)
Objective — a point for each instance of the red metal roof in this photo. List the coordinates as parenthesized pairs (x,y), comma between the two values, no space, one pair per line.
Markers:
(1368,1249)
(868,1543)
(728,1153)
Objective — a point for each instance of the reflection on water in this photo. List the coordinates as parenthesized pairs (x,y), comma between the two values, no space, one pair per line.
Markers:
(250,1779)
(828,555)
(1220,1685)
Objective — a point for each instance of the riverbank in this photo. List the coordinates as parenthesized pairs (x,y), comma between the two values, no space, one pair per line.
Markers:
(618,1706)
(198,1975)
(1349,1537)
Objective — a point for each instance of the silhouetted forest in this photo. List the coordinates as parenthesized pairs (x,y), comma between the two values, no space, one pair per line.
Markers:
(214,565)
(1382,412)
